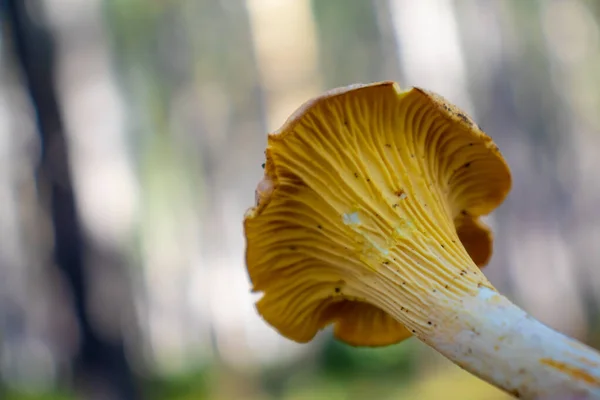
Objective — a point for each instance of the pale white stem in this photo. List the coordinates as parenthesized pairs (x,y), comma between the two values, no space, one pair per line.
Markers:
(494,339)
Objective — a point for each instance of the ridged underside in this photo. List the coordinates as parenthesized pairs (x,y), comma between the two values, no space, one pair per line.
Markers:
(363,186)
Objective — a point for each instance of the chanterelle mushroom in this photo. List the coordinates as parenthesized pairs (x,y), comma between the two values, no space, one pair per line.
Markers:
(367,218)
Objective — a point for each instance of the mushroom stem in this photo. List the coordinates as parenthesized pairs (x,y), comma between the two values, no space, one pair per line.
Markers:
(489,336)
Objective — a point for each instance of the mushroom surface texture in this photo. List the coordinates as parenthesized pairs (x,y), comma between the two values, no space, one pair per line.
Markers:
(368,219)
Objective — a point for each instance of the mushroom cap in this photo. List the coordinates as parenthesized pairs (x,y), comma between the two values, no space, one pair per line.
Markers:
(360,182)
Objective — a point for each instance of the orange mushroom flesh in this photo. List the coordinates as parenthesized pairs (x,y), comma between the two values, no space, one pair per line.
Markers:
(367,218)
(368,184)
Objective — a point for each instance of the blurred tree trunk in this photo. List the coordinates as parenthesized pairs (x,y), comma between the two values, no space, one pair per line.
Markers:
(100,368)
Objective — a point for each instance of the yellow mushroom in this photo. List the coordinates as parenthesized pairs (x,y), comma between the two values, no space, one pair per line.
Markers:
(367,218)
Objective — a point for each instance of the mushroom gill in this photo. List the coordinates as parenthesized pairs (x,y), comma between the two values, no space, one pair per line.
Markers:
(368,189)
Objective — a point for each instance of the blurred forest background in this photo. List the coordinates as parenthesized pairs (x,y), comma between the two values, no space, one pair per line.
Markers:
(131,140)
